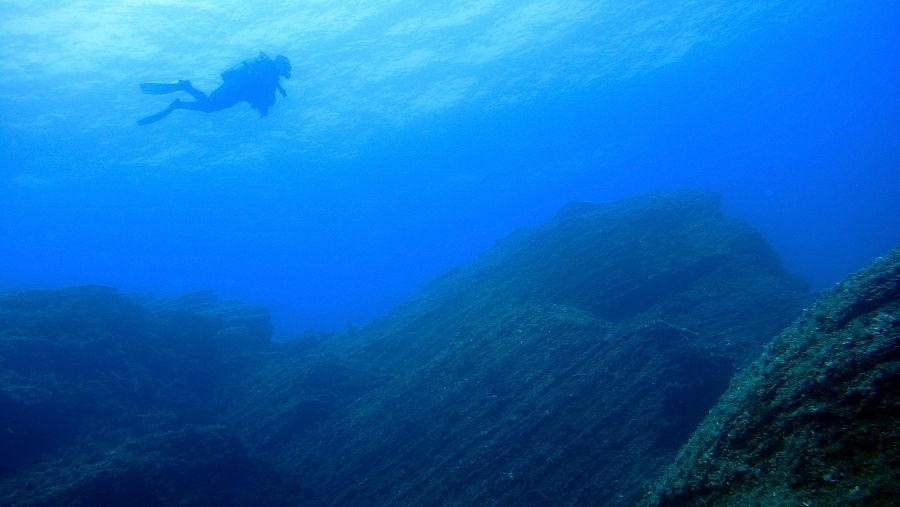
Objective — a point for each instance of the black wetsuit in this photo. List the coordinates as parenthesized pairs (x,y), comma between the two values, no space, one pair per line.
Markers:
(253,81)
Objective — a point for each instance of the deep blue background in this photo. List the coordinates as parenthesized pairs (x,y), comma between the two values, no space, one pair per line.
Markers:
(794,122)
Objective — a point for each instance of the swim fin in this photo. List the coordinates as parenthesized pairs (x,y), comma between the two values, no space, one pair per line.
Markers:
(161,88)
(156,117)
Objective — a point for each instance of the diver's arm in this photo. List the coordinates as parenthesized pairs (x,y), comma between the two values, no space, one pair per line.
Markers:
(280,89)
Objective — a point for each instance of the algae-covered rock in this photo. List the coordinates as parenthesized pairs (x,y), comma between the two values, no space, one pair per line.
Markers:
(815,420)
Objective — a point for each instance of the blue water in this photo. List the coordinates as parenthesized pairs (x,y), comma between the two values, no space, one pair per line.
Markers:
(415,134)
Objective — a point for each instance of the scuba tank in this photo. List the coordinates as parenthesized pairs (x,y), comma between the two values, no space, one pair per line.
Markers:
(245,69)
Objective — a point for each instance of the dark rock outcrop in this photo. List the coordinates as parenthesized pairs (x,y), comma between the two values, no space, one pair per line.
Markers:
(567,365)
(99,394)
(195,465)
(814,421)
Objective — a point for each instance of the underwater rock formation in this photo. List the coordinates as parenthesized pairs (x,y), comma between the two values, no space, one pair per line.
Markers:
(98,393)
(814,421)
(567,365)
(195,465)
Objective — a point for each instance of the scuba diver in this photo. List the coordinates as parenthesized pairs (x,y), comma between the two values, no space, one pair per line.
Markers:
(253,81)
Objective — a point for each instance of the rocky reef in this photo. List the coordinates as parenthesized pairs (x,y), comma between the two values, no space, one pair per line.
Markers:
(106,400)
(814,420)
(567,365)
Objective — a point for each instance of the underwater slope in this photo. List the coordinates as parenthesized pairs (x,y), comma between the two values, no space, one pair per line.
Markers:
(565,366)
(814,421)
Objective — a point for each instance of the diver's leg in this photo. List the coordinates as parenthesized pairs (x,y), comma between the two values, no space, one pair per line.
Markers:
(197,94)
(221,98)
(200,105)
(176,104)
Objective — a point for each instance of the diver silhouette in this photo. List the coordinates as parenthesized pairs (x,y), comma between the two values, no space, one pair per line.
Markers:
(253,81)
